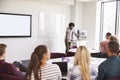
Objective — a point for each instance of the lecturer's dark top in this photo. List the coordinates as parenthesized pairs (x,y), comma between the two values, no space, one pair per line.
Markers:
(109,68)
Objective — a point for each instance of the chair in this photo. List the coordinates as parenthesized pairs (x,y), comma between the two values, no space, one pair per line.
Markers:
(72,47)
(70,54)
(115,78)
(57,55)
(9,77)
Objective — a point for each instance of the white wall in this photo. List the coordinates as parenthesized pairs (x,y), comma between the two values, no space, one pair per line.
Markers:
(70,2)
(21,48)
(89,22)
(77,14)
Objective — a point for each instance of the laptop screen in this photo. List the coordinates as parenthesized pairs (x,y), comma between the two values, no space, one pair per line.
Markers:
(63,67)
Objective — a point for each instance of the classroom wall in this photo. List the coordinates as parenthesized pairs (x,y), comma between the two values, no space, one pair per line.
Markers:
(21,48)
(89,22)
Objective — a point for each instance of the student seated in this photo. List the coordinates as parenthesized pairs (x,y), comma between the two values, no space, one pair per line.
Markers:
(82,69)
(7,68)
(111,67)
(103,45)
(114,38)
(38,68)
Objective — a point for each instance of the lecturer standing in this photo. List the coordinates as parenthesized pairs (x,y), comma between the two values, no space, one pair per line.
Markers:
(69,36)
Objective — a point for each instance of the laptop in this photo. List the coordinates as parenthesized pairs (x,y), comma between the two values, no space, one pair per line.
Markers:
(63,67)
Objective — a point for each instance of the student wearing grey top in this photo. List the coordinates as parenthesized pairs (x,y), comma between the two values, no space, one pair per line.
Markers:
(82,69)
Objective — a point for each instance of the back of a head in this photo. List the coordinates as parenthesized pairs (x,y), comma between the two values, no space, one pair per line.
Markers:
(38,53)
(113,47)
(82,58)
(35,61)
(82,55)
(2,49)
(108,34)
(114,38)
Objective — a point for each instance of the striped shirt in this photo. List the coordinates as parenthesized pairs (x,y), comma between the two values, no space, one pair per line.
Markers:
(49,72)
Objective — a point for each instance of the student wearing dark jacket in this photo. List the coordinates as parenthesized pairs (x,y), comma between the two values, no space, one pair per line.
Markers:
(111,67)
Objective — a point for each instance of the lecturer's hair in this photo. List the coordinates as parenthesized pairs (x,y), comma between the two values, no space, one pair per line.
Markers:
(82,58)
(35,62)
(71,24)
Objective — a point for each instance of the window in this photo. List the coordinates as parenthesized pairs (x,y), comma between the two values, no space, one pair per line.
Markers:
(109,15)
(108,18)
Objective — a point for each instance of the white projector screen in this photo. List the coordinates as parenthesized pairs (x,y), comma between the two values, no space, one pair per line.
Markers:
(15,25)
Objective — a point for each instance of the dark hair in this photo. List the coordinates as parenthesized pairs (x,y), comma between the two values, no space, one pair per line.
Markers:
(2,49)
(71,24)
(35,62)
(113,46)
(108,34)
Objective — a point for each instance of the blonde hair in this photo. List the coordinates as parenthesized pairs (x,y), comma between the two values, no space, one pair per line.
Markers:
(114,38)
(82,58)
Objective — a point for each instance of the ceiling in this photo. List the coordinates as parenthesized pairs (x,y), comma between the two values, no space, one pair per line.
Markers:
(87,0)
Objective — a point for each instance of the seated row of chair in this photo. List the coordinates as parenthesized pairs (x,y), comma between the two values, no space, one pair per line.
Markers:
(59,55)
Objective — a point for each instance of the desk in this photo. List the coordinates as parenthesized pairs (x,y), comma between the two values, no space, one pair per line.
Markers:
(94,53)
(90,50)
(94,62)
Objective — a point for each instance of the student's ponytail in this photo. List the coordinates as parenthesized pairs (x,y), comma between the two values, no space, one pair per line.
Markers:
(35,63)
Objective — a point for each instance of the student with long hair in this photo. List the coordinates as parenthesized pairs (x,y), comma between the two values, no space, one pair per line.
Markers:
(114,38)
(82,69)
(38,68)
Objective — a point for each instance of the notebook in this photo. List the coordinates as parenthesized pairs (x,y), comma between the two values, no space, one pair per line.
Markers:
(63,67)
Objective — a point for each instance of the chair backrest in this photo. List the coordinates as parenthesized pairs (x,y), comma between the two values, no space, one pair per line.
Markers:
(115,78)
(9,77)
(57,55)
(70,54)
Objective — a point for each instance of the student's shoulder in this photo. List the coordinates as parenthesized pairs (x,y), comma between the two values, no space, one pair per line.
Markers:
(9,65)
(6,63)
(103,64)
(52,65)
(74,68)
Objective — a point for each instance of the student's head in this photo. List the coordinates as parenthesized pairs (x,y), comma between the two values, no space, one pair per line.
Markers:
(114,38)
(108,34)
(113,48)
(82,58)
(40,53)
(38,58)
(71,25)
(2,50)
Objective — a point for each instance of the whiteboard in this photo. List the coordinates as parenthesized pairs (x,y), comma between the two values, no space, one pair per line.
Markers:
(51,25)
